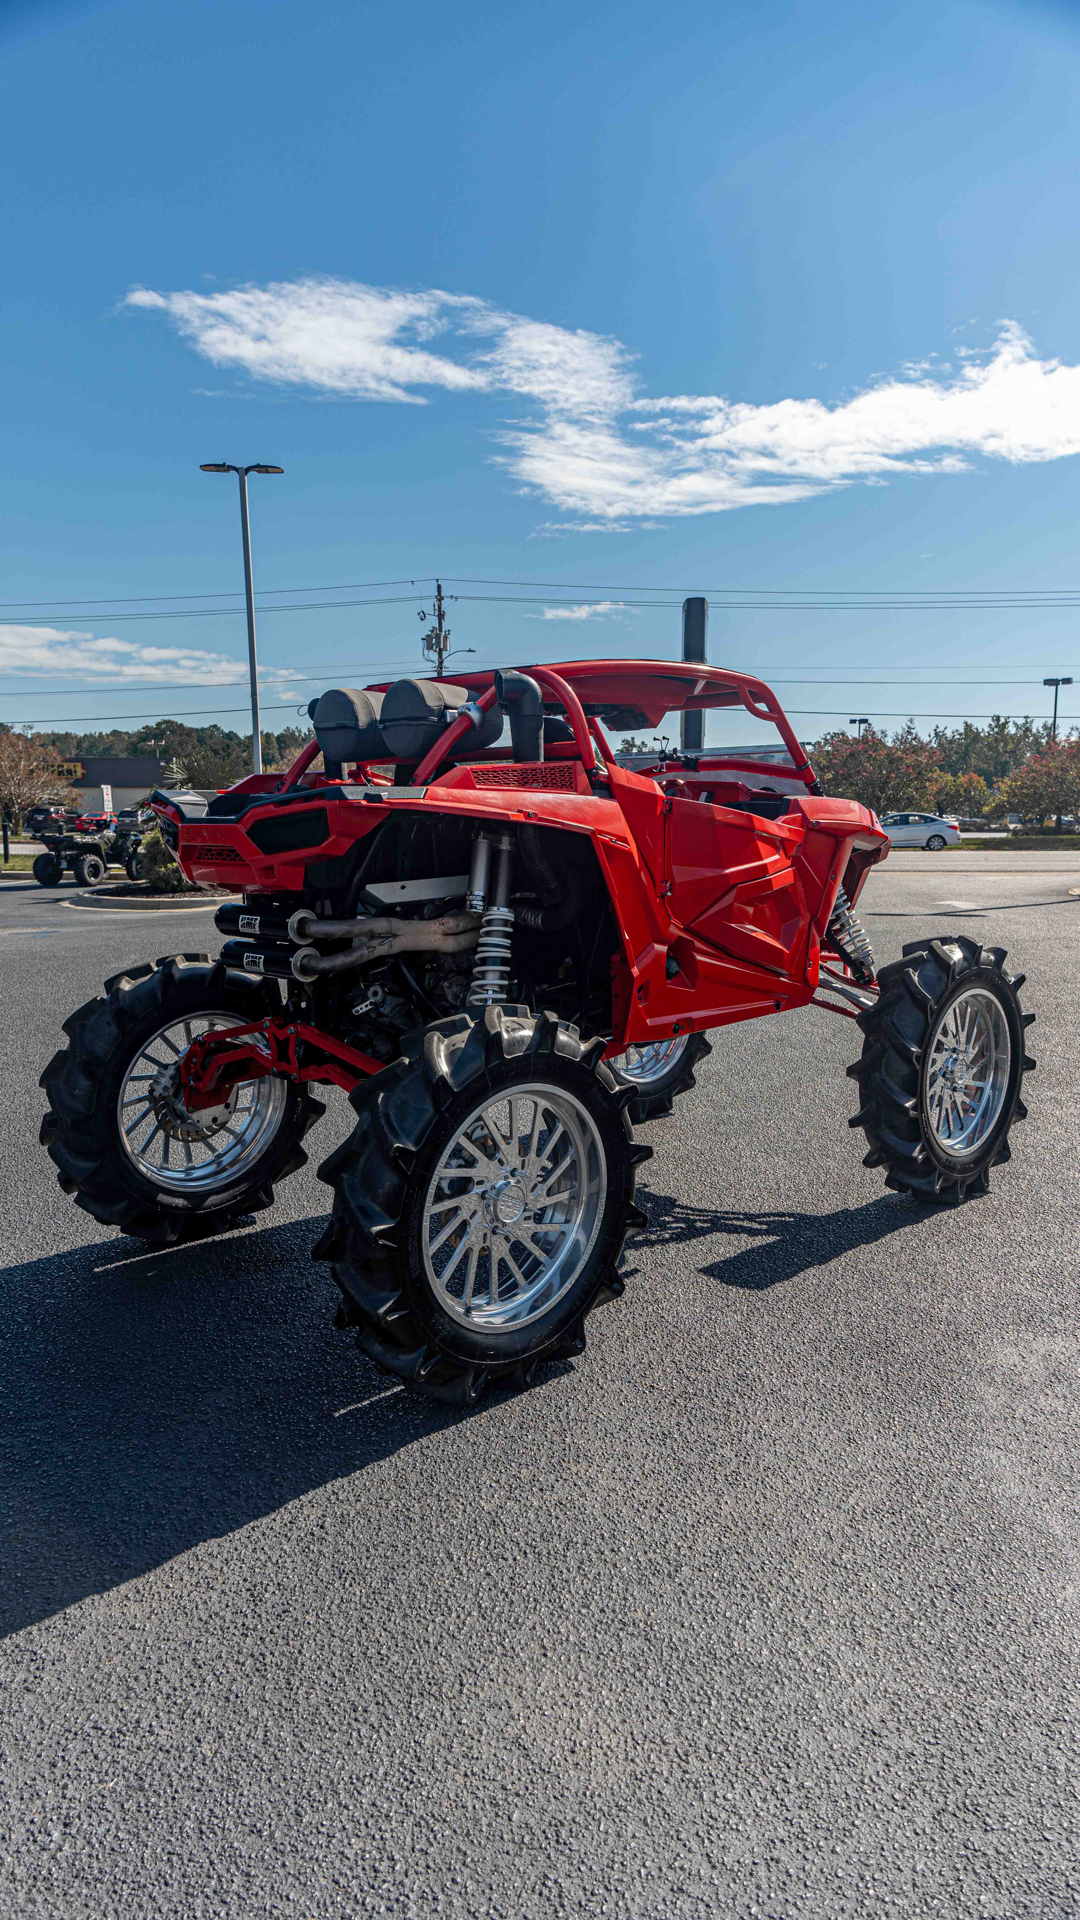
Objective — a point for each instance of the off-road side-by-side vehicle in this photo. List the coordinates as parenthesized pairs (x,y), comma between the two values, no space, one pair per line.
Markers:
(507,955)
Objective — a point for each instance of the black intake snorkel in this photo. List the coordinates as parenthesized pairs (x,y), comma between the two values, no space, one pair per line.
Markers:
(521,699)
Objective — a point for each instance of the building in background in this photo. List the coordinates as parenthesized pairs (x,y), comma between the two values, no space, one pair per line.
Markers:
(130,780)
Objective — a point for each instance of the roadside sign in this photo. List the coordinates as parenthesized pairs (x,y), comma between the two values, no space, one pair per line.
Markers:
(106,797)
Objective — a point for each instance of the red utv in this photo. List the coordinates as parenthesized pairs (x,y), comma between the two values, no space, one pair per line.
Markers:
(507,954)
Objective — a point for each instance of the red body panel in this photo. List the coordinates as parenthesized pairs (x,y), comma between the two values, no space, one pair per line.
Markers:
(737,901)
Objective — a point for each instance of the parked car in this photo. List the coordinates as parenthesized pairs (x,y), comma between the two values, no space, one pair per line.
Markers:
(920,830)
(49,818)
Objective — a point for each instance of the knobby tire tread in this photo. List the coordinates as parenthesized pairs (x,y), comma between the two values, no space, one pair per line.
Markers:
(397,1112)
(896,1029)
(75,1130)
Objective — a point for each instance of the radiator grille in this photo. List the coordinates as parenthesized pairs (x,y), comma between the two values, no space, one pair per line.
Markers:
(221,856)
(555,775)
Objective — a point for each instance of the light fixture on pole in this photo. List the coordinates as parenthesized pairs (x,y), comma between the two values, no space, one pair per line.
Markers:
(864,722)
(257,466)
(1062,680)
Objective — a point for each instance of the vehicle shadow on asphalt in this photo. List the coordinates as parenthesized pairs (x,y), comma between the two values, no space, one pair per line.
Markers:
(785,1245)
(154,1399)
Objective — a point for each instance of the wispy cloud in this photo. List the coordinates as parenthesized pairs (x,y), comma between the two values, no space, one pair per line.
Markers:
(586,610)
(49,650)
(596,447)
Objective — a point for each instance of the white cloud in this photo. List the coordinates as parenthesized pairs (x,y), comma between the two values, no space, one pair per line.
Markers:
(48,650)
(587,610)
(600,451)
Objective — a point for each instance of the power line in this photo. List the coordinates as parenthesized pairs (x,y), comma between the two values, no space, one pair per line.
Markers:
(867,595)
(1032,600)
(272,681)
(282,706)
(220,613)
(226,593)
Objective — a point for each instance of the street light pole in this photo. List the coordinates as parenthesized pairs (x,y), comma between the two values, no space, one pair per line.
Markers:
(1063,680)
(864,722)
(225,466)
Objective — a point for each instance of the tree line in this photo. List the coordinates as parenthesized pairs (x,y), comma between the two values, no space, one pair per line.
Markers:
(1008,766)
(30,765)
(980,773)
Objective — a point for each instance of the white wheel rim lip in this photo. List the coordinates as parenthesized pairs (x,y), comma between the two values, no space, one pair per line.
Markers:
(966,1081)
(494,1276)
(196,1167)
(653,1061)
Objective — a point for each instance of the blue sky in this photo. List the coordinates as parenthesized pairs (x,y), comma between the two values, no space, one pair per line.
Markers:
(779,301)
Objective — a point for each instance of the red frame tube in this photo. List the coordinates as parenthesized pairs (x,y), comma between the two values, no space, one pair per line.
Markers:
(216,1062)
(300,765)
(575,712)
(456,731)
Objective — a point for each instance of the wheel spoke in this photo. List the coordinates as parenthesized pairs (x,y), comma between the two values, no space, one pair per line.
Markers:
(540,1193)
(528,1165)
(465,1145)
(442,1237)
(470,1271)
(514,1268)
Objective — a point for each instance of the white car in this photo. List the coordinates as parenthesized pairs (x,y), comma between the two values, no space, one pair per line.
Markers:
(920,830)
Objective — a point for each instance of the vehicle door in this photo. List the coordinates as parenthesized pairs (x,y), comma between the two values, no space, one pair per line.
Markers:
(899,829)
(730,881)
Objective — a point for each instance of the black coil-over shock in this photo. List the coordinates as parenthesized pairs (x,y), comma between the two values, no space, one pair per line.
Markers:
(489,894)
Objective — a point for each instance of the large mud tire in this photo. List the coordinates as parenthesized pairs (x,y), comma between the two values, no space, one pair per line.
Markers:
(655,1096)
(382,1179)
(901,1052)
(83,1081)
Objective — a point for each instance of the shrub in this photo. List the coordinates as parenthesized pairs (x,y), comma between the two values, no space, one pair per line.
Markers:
(160,870)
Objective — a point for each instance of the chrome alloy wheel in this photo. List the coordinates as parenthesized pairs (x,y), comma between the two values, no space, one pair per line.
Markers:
(193,1152)
(643,1065)
(968,1057)
(513,1208)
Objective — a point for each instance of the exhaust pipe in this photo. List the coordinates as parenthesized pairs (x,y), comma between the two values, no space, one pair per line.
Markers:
(378,939)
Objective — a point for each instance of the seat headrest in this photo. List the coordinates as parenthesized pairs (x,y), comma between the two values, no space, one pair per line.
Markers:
(346,723)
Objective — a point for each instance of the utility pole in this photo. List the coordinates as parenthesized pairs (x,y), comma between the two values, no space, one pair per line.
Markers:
(1063,680)
(436,641)
(257,466)
(695,621)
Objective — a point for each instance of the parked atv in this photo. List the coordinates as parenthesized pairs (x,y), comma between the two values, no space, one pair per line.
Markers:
(505,955)
(87,848)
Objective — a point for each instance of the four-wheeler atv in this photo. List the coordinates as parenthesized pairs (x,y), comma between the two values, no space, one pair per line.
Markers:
(87,848)
(504,955)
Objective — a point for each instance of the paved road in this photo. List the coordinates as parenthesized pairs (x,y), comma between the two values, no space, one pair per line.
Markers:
(769,1606)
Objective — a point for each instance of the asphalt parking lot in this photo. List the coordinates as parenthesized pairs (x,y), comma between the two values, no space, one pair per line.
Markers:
(768,1606)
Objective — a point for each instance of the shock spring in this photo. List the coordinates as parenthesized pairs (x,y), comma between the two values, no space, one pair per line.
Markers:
(848,938)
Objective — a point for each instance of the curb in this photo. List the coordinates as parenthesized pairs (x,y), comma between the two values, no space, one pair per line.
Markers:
(130,903)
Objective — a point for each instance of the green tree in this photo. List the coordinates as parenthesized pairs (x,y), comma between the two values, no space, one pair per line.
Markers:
(1048,783)
(965,794)
(880,773)
(993,751)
